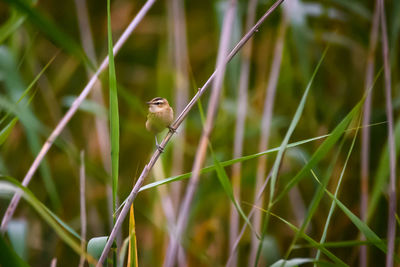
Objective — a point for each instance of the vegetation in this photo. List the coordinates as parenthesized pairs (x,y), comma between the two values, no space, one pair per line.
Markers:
(286,156)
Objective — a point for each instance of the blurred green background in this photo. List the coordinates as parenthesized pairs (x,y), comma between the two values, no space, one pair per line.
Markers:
(33,32)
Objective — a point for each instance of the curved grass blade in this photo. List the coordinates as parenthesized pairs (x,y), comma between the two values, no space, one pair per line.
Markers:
(332,208)
(322,150)
(312,242)
(227,163)
(362,226)
(224,180)
(282,149)
(319,193)
(5,132)
(11,185)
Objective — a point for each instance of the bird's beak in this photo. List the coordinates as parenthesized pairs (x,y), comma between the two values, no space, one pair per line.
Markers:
(148,103)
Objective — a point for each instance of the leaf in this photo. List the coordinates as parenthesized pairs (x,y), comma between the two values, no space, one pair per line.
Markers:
(17,233)
(292,262)
(95,246)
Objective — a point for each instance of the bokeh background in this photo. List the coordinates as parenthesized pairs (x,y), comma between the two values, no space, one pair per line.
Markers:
(171,54)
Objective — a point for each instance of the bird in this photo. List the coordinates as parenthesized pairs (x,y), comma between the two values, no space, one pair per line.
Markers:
(160,116)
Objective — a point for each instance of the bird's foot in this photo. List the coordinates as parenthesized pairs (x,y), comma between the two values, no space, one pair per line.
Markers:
(160,149)
(171,129)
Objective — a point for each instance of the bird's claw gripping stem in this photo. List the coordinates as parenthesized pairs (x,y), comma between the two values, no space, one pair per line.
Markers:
(171,129)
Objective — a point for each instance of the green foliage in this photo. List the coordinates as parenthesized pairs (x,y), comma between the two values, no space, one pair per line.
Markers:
(43,70)
(8,257)
(95,247)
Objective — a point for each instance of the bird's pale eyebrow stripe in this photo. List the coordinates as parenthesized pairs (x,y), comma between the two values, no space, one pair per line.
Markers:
(157,99)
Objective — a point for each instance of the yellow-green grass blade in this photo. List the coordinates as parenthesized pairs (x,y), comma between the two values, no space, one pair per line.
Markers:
(132,256)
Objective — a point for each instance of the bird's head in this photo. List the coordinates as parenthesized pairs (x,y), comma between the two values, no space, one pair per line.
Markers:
(158,104)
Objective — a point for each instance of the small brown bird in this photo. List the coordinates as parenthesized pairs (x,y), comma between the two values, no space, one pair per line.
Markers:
(160,116)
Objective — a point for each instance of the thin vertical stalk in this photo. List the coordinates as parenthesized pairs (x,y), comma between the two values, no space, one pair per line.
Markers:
(102,130)
(391,234)
(179,51)
(265,132)
(70,113)
(183,215)
(53,262)
(175,125)
(365,131)
(82,190)
(114,123)
(241,114)
(181,59)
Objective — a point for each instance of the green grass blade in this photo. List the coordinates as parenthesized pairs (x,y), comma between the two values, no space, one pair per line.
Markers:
(362,226)
(11,185)
(114,116)
(227,163)
(11,25)
(282,149)
(332,208)
(316,198)
(291,129)
(5,132)
(312,242)
(224,180)
(114,121)
(322,150)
